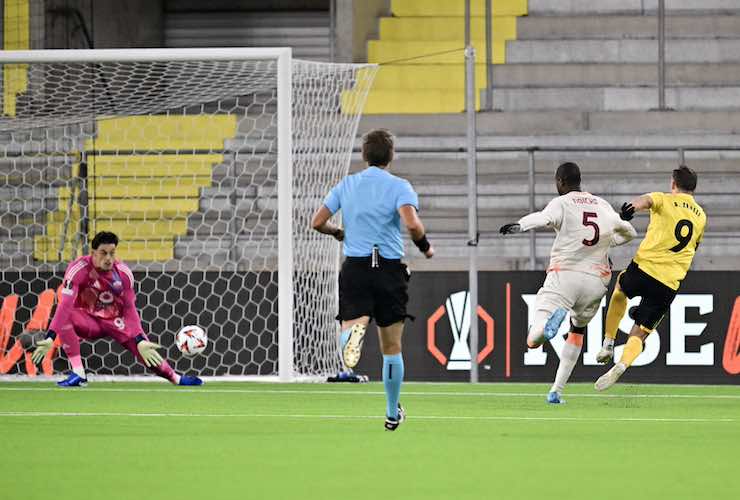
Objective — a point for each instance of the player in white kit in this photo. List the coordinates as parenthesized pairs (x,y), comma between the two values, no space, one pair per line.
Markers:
(578,276)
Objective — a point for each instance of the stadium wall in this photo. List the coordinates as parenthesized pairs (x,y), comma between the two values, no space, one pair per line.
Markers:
(111,24)
(698,341)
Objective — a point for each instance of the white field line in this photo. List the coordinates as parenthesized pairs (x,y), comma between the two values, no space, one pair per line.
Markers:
(359,417)
(206,390)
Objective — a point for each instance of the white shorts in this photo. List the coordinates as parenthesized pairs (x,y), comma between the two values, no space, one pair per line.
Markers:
(578,293)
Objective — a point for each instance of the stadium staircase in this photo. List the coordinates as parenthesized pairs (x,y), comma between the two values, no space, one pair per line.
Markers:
(584,77)
(420,48)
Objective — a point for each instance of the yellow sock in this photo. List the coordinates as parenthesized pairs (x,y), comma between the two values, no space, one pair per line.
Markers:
(615,313)
(631,350)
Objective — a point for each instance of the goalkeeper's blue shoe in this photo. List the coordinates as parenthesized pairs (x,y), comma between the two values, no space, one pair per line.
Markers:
(554,398)
(73,380)
(553,323)
(188,380)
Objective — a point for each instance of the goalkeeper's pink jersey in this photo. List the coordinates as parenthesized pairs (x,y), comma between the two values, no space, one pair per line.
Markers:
(106,295)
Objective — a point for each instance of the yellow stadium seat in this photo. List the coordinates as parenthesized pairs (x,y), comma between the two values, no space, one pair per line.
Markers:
(421,53)
(145,199)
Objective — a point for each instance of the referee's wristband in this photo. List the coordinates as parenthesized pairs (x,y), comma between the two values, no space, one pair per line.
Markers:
(422,243)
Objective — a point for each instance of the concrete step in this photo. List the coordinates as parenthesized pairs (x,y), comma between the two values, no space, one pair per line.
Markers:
(616,98)
(613,75)
(247,20)
(300,51)
(444,168)
(671,142)
(213,223)
(622,51)
(447,8)
(630,7)
(559,122)
(580,26)
(259,32)
(440,28)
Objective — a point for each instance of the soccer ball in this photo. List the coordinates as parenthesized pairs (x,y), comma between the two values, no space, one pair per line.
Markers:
(191,340)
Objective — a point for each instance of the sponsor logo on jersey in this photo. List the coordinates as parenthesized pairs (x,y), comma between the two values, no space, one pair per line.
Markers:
(105,297)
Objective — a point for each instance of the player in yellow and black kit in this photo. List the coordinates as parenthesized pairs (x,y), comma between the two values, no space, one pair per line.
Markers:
(676,228)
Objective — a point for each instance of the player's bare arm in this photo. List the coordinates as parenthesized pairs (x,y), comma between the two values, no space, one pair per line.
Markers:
(320,222)
(415,227)
(639,204)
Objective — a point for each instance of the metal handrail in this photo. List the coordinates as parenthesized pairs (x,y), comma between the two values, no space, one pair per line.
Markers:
(531,153)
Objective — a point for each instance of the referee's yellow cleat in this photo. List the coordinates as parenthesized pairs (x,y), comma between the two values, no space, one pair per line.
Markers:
(353,348)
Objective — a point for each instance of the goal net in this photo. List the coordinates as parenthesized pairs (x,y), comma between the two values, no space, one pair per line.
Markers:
(208,165)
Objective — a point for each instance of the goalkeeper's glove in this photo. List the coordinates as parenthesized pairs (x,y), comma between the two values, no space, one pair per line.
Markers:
(42,347)
(510,228)
(627,212)
(148,351)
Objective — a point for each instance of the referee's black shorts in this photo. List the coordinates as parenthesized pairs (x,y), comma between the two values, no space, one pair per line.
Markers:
(656,296)
(379,292)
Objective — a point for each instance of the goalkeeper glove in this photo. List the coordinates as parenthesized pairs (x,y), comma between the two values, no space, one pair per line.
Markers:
(42,347)
(627,212)
(148,351)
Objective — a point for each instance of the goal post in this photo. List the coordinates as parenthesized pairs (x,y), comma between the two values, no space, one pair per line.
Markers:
(208,164)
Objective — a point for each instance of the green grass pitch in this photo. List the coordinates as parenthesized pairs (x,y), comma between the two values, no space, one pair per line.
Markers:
(314,441)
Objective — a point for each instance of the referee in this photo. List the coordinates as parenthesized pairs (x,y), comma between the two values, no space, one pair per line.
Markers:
(373,282)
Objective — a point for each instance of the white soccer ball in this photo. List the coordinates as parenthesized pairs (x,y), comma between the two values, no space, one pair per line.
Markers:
(191,340)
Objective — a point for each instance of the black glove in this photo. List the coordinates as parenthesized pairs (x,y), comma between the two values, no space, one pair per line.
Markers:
(510,228)
(627,212)
(338,234)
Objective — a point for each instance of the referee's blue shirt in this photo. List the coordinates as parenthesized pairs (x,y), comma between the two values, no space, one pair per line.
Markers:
(369,201)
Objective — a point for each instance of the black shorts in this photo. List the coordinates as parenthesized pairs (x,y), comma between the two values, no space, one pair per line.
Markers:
(379,292)
(656,296)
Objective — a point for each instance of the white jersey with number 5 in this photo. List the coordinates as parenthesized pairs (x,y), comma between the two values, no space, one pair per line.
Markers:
(586,227)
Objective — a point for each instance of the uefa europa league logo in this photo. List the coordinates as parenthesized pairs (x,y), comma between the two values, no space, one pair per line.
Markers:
(457,307)
(458,314)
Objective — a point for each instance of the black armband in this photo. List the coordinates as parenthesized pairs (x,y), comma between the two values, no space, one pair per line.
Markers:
(422,243)
(51,334)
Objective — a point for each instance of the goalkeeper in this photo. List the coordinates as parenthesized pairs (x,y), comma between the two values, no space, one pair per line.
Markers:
(98,300)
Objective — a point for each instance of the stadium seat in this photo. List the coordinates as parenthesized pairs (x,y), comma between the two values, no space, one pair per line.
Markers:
(427,38)
(144,198)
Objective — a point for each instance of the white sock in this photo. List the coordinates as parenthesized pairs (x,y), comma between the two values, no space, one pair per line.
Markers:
(80,371)
(608,343)
(568,359)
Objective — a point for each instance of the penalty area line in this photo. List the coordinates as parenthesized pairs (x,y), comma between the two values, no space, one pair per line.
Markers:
(299,416)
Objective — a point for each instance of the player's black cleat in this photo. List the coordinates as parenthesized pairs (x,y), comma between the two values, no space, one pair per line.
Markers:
(391,424)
